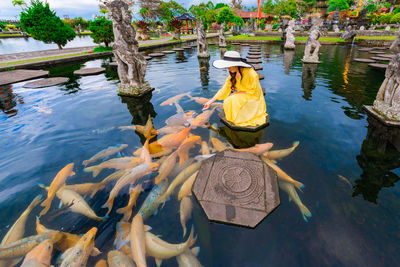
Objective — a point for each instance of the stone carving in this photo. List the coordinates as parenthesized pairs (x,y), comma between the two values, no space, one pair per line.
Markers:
(289,44)
(387,28)
(313,45)
(221,36)
(362,28)
(131,64)
(202,45)
(336,28)
(348,34)
(387,101)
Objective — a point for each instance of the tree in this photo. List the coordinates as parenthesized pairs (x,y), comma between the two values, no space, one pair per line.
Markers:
(220,5)
(268,7)
(237,4)
(288,7)
(225,15)
(102,31)
(143,12)
(210,16)
(341,4)
(152,7)
(44,25)
(168,10)
(18,2)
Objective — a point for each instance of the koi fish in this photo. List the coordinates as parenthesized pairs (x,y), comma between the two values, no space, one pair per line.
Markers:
(179,109)
(165,168)
(188,258)
(105,153)
(115,163)
(174,140)
(278,154)
(85,189)
(79,254)
(133,196)
(289,189)
(170,129)
(205,149)
(101,263)
(122,238)
(56,184)
(186,189)
(151,203)
(40,256)
(116,258)
(283,175)
(346,180)
(114,176)
(186,207)
(148,129)
(199,100)
(180,119)
(125,128)
(173,99)
(218,145)
(202,119)
(137,240)
(186,145)
(258,149)
(213,131)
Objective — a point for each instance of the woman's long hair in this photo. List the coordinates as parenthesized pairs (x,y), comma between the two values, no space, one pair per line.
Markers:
(233,78)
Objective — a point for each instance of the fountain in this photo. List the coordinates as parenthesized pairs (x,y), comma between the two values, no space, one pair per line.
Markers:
(313,45)
(131,64)
(202,45)
(221,37)
(289,44)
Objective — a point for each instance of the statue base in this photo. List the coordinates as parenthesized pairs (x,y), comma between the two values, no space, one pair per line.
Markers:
(371,111)
(309,61)
(242,128)
(131,91)
(289,47)
(203,55)
(222,45)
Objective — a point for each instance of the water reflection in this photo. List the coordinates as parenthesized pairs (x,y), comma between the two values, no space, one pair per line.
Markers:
(288,57)
(73,85)
(241,139)
(204,66)
(379,156)
(180,57)
(8,100)
(140,108)
(308,80)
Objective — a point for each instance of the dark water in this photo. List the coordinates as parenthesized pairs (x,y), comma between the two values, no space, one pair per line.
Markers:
(17,45)
(320,106)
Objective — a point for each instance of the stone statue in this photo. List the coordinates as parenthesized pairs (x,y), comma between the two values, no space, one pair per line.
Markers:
(131,64)
(202,45)
(313,45)
(222,39)
(348,34)
(289,44)
(387,101)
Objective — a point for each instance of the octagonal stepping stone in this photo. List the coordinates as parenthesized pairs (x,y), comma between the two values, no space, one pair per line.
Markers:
(254,60)
(236,188)
(147,57)
(178,49)
(254,53)
(253,56)
(14,76)
(381,58)
(260,76)
(365,60)
(244,44)
(187,47)
(257,67)
(113,64)
(377,52)
(89,71)
(46,82)
(156,54)
(377,65)
(255,46)
(168,51)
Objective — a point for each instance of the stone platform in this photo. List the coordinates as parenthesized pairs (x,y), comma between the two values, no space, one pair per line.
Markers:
(242,128)
(15,76)
(364,60)
(382,119)
(378,66)
(89,71)
(46,82)
(236,188)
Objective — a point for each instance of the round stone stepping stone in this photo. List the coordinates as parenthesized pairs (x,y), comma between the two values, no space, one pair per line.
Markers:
(156,54)
(211,43)
(89,71)
(381,58)
(365,60)
(261,76)
(257,67)
(377,65)
(168,51)
(255,46)
(380,48)
(147,57)
(187,47)
(365,49)
(253,56)
(377,52)
(46,82)
(236,43)
(244,44)
(254,60)
(390,56)
(254,53)
(113,64)
(194,45)
(178,49)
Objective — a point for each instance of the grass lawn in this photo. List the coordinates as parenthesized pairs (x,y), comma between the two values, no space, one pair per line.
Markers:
(387,37)
(40,59)
(246,37)
(324,39)
(10,35)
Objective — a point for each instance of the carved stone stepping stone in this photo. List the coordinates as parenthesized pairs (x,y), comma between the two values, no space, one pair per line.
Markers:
(254,60)
(89,71)
(46,82)
(187,47)
(168,51)
(236,188)
(156,54)
(255,46)
(15,76)
(260,76)
(377,52)
(257,67)
(381,58)
(379,66)
(242,128)
(365,60)
(255,51)
(254,56)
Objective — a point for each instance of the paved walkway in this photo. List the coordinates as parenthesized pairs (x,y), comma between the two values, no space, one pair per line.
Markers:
(56,52)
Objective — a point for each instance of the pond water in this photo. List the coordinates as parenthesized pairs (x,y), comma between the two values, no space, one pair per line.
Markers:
(42,130)
(17,45)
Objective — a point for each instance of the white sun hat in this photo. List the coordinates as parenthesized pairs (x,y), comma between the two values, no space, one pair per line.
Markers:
(231,59)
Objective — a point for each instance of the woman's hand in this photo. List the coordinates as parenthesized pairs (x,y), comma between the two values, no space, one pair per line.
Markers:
(208,103)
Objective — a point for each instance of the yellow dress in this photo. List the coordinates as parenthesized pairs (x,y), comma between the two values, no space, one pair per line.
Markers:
(244,109)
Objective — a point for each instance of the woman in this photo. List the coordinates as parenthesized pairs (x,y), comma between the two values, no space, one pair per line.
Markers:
(244,103)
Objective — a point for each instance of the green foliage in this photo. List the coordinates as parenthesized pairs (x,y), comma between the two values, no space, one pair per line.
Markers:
(143,12)
(220,5)
(225,15)
(387,5)
(102,31)
(3,25)
(371,7)
(268,7)
(396,10)
(341,4)
(73,23)
(385,18)
(102,49)
(288,7)
(210,16)
(44,25)
(395,19)
(168,10)
(238,21)
(18,2)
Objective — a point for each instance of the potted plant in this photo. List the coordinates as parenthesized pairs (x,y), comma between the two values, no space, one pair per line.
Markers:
(176,25)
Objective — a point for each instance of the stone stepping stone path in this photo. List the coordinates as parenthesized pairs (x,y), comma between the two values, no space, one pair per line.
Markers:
(381,58)
(260,76)
(377,52)
(156,54)
(178,49)
(254,61)
(257,67)
(89,71)
(168,51)
(254,53)
(15,76)
(253,56)
(377,65)
(147,57)
(365,60)
(46,82)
